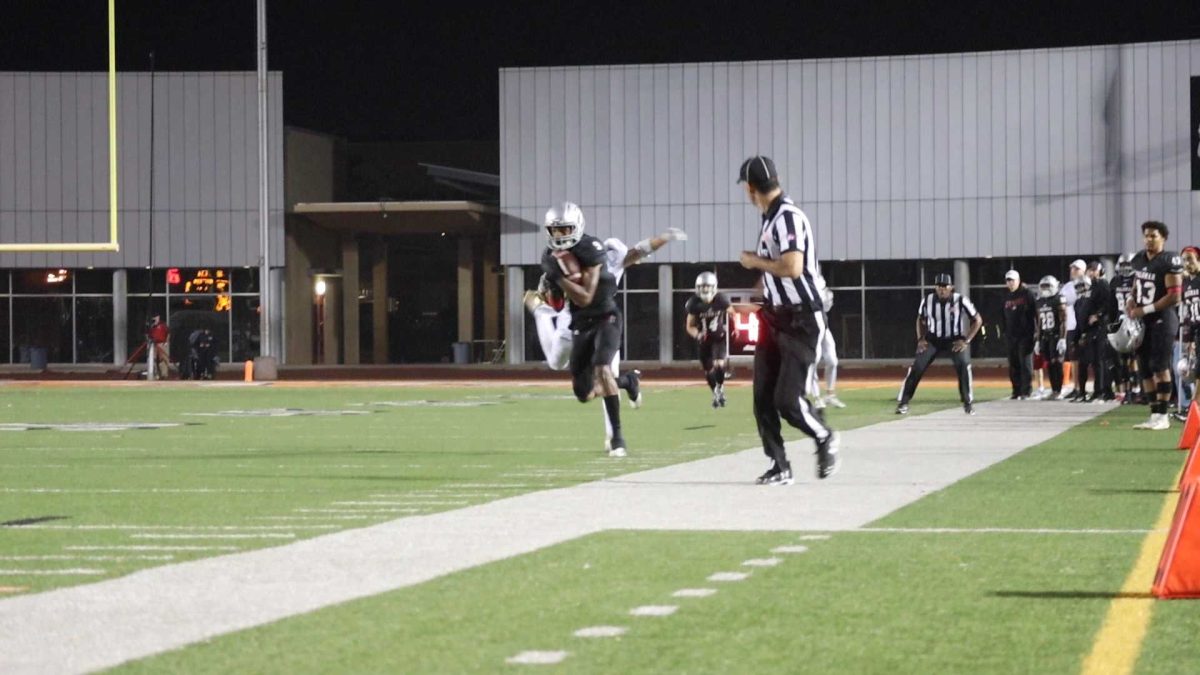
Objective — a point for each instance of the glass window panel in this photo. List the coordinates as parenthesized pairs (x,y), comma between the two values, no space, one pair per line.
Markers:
(845,321)
(141,309)
(42,282)
(45,323)
(989,272)
(142,281)
(892,273)
(644,276)
(245,317)
(199,280)
(990,341)
(842,274)
(3,281)
(890,319)
(733,276)
(641,326)
(1033,269)
(247,281)
(93,281)
(94,329)
(6,351)
(190,313)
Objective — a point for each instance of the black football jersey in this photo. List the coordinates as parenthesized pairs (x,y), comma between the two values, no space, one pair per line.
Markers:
(1122,291)
(1150,275)
(1047,316)
(1189,311)
(711,317)
(590,252)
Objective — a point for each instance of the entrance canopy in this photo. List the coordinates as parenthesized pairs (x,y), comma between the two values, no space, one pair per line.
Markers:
(453,218)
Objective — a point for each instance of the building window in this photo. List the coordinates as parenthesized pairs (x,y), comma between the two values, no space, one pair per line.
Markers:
(890,322)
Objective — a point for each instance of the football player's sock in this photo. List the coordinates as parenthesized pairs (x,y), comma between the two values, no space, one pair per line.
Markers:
(613,405)
(712,380)
(719,376)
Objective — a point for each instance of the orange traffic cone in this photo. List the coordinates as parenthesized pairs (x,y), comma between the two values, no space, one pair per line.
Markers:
(1191,468)
(248,371)
(1178,573)
(1191,428)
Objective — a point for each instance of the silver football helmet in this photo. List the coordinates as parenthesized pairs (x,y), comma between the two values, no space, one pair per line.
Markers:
(706,286)
(1048,286)
(568,215)
(1125,265)
(1083,283)
(1128,336)
(1184,369)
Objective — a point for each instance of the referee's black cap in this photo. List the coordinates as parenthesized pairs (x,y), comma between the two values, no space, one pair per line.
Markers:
(758,170)
(943,279)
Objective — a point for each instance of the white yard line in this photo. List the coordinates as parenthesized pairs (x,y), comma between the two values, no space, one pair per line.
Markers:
(887,466)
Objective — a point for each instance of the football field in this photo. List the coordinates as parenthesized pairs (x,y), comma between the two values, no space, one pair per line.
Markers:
(354,528)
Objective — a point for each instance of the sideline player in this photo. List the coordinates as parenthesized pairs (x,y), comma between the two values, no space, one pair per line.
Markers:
(1049,333)
(791,323)
(826,356)
(707,323)
(1125,372)
(1189,330)
(941,328)
(552,314)
(1158,280)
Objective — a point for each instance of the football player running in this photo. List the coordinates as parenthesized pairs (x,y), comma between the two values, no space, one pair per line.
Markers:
(707,323)
(562,323)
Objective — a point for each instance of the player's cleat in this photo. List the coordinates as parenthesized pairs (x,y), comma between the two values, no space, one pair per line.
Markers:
(768,476)
(1157,422)
(716,402)
(902,409)
(782,478)
(827,456)
(533,300)
(833,400)
(634,377)
(1179,417)
(969,408)
(1055,396)
(616,447)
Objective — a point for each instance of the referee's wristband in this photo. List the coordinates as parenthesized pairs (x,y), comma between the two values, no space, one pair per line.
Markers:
(1149,309)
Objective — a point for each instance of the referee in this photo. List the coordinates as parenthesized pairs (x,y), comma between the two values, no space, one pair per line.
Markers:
(940,328)
(792,323)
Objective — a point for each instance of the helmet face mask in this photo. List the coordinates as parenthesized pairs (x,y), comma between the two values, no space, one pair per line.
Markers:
(1128,336)
(564,226)
(1048,286)
(1125,265)
(706,286)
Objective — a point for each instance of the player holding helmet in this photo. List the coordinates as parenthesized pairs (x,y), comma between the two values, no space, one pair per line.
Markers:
(1049,332)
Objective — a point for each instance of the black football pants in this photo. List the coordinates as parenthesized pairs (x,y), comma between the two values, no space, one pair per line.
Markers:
(782,364)
(962,366)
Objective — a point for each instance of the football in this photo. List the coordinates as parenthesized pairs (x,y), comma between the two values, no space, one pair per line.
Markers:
(569,265)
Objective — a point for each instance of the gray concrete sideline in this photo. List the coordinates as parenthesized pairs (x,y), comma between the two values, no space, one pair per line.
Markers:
(885,466)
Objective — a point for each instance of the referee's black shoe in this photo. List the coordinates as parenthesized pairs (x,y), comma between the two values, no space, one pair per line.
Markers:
(827,457)
(776,476)
(969,408)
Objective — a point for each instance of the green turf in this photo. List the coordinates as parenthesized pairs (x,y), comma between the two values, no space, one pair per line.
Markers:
(859,602)
(221,472)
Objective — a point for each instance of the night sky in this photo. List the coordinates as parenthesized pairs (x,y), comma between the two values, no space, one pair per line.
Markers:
(424,71)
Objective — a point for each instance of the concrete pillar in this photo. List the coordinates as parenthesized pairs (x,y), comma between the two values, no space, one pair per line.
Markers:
(332,320)
(514,313)
(120,316)
(466,289)
(962,278)
(379,304)
(350,299)
(491,288)
(666,315)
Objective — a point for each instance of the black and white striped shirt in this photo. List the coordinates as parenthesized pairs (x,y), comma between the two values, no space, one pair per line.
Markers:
(949,319)
(785,228)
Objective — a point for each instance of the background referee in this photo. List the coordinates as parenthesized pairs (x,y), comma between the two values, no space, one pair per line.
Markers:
(941,329)
(792,323)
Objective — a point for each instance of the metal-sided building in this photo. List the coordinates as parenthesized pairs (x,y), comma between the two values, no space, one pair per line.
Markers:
(906,166)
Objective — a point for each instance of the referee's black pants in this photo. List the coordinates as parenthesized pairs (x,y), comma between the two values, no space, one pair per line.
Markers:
(783,359)
(1020,366)
(962,366)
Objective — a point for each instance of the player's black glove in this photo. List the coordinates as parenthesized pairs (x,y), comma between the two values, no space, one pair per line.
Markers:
(552,271)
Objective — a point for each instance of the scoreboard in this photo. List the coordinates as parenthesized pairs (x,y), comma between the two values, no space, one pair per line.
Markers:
(743,327)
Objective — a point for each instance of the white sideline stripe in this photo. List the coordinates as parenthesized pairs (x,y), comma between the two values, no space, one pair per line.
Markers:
(404,503)
(997,530)
(89,558)
(728,576)
(99,625)
(148,547)
(330,517)
(537,658)
(762,562)
(123,491)
(790,549)
(654,610)
(813,537)
(600,631)
(693,592)
(76,572)
(242,535)
(361,512)
(151,528)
